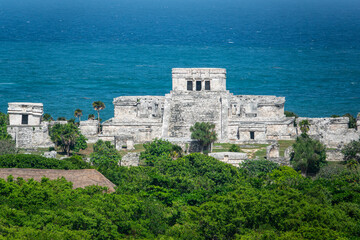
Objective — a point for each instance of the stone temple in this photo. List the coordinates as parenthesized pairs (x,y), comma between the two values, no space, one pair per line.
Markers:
(199,95)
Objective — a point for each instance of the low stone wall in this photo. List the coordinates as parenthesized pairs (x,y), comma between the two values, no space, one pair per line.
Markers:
(188,145)
(273,151)
(130,159)
(89,128)
(333,132)
(31,137)
(124,142)
(233,158)
(281,161)
(334,155)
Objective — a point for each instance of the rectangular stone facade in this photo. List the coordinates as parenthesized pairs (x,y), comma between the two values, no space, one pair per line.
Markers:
(200,95)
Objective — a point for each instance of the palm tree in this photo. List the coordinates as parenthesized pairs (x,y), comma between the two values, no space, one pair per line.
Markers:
(78,113)
(98,105)
(91,117)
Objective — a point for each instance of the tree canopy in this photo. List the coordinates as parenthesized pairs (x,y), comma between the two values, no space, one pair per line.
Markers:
(105,155)
(78,113)
(67,136)
(204,132)
(98,106)
(4,121)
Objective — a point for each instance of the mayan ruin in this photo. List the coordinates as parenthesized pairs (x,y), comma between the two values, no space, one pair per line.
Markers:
(198,95)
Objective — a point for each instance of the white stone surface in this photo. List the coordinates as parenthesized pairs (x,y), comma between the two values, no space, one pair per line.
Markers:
(233,158)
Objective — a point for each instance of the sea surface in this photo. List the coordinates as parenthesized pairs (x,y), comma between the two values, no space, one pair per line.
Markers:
(67,54)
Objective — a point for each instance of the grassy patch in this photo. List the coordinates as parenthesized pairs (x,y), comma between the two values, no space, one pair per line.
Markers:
(138,148)
(284,144)
(261,154)
(223,147)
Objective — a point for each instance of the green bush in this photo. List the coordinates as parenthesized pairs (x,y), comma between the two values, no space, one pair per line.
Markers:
(351,151)
(234,148)
(105,155)
(160,150)
(309,155)
(36,161)
(7,147)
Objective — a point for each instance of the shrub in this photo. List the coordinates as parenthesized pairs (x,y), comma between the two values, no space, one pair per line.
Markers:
(7,147)
(104,155)
(234,148)
(256,168)
(351,151)
(160,150)
(36,161)
(4,121)
(309,155)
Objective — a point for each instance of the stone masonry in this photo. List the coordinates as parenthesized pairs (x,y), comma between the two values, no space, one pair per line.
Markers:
(200,95)
(25,125)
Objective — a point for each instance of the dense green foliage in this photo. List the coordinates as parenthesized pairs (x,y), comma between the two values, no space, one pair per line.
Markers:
(4,121)
(7,147)
(35,161)
(68,137)
(190,197)
(352,120)
(160,151)
(309,155)
(78,113)
(351,152)
(234,148)
(105,155)
(47,117)
(304,126)
(290,114)
(204,132)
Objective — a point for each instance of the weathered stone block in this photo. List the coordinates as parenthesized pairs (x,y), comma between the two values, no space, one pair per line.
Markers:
(51,154)
(130,159)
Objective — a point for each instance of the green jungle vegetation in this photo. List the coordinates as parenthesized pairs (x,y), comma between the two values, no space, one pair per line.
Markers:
(184,197)
(181,197)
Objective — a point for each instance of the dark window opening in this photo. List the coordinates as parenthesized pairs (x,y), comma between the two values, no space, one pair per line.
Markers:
(189,85)
(252,135)
(25,119)
(198,85)
(207,85)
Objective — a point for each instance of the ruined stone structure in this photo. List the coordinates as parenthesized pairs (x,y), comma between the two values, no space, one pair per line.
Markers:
(333,132)
(233,158)
(199,95)
(25,125)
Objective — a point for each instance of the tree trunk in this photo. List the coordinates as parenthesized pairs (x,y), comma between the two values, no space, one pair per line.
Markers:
(68,150)
(98,121)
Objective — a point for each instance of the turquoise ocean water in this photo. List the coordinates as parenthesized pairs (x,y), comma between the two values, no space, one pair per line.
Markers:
(67,54)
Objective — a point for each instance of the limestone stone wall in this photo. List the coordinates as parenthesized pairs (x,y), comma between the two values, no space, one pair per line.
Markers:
(89,128)
(124,142)
(256,108)
(31,137)
(334,155)
(273,151)
(284,130)
(17,110)
(233,158)
(138,108)
(183,110)
(215,76)
(25,125)
(333,132)
(130,159)
(187,145)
